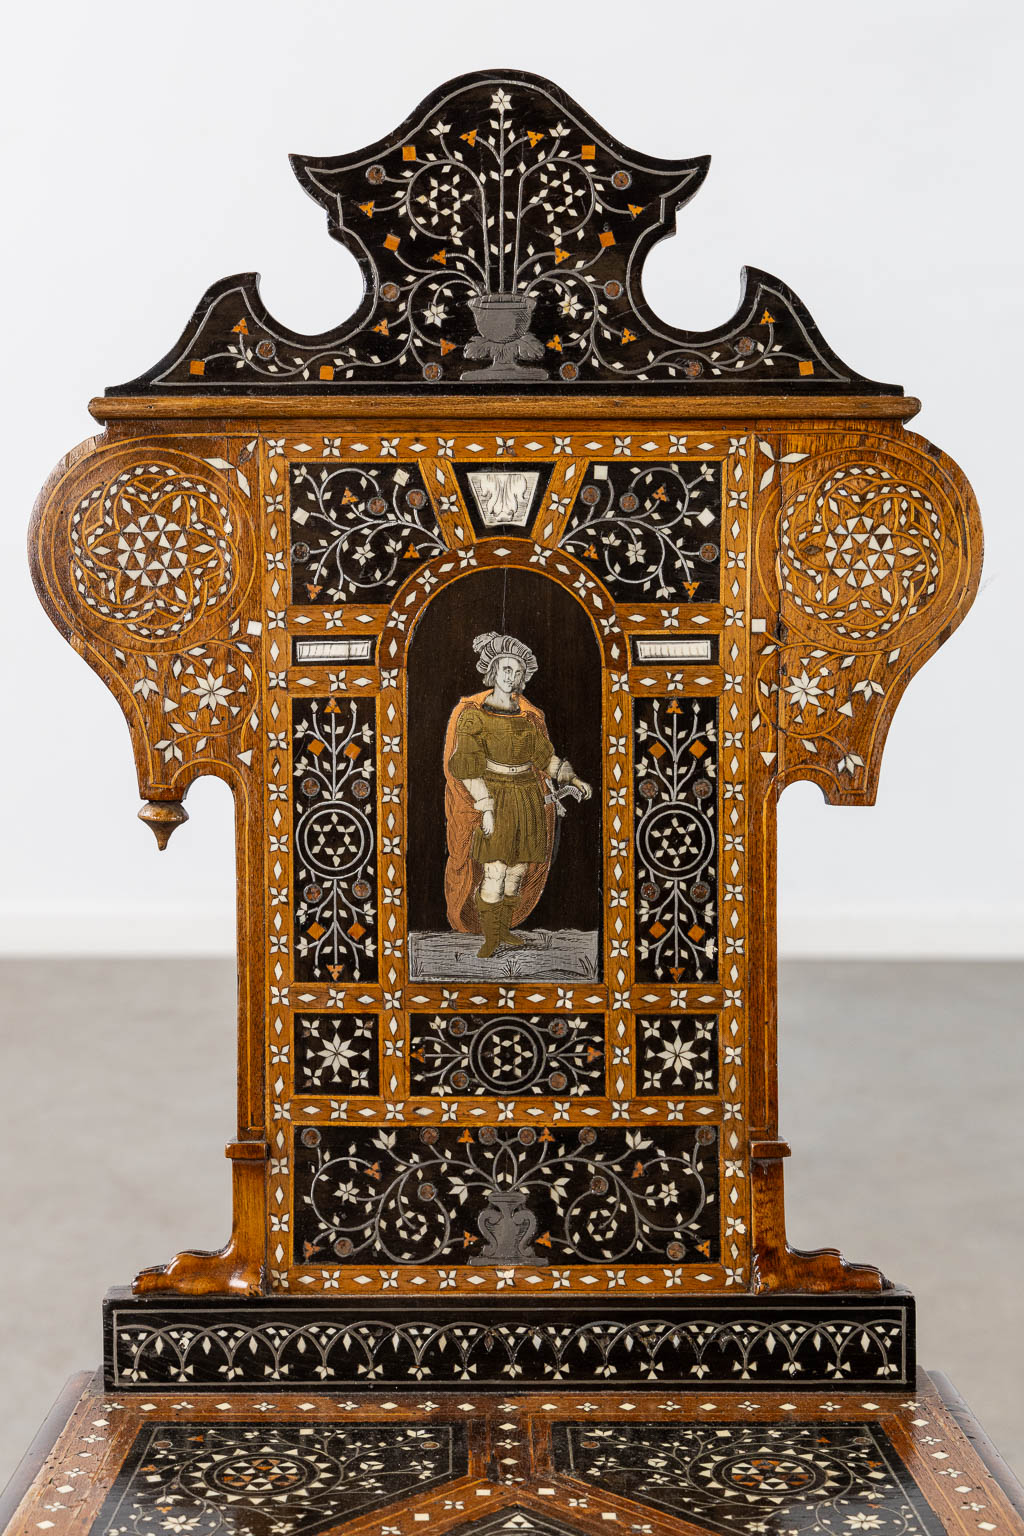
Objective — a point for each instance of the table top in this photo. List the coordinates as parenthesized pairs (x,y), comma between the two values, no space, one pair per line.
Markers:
(741,1463)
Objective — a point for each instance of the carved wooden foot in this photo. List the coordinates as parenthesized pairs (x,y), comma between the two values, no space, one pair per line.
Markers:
(778,1267)
(239,1267)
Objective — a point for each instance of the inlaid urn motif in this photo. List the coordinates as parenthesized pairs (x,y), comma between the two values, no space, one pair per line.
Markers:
(503,321)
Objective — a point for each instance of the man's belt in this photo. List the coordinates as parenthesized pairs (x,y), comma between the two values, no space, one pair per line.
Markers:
(510,770)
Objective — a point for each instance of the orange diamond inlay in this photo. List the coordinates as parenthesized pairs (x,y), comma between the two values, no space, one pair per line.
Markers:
(316,931)
(657,929)
(695,933)
(356,931)
(316,747)
(698,749)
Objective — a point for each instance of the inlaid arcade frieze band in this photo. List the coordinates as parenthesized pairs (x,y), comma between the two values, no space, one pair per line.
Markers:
(718,1341)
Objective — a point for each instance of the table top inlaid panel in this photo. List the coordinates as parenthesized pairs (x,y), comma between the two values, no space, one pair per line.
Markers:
(730,1462)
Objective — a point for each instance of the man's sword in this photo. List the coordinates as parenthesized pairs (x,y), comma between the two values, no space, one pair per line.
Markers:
(557,797)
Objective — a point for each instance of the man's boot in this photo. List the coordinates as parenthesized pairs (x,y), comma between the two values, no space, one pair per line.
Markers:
(490,924)
(506,936)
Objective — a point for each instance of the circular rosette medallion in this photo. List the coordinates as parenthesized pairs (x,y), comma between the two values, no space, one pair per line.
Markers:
(675,841)
(860,550)
(154,552)
(263,1473)
(771,1474)
(334,839)
(508,1056)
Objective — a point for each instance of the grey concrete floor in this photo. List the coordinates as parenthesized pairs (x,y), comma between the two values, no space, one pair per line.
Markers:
(903,1084)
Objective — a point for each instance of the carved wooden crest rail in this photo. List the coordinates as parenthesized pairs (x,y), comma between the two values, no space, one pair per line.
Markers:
(506,610)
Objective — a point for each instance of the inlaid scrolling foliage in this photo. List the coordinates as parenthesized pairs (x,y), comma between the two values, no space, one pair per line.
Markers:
(656,1043)
(334,767)
(650,531)
(601,1112)
(497,1195)
(676,839)
(501,234)
(873,543)
(358,530)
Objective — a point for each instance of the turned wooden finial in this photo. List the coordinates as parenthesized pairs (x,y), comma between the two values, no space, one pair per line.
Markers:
(163,816)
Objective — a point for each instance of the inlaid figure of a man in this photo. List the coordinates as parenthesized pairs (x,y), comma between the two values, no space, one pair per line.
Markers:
(502,780)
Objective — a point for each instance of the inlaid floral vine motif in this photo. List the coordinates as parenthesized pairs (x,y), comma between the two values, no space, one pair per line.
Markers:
(358,530)
(676,839)
(502,204)
(501,233)
(507,1196)
(335,840)
(650,532)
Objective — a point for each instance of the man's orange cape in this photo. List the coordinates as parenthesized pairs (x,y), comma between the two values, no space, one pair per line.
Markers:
(462,875)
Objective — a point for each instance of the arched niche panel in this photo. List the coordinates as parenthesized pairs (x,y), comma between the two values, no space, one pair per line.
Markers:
(442,669)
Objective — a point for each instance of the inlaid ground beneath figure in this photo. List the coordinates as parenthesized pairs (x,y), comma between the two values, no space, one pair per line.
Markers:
(569,955)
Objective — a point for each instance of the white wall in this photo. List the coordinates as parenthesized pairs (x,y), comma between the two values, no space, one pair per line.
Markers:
(868,154)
